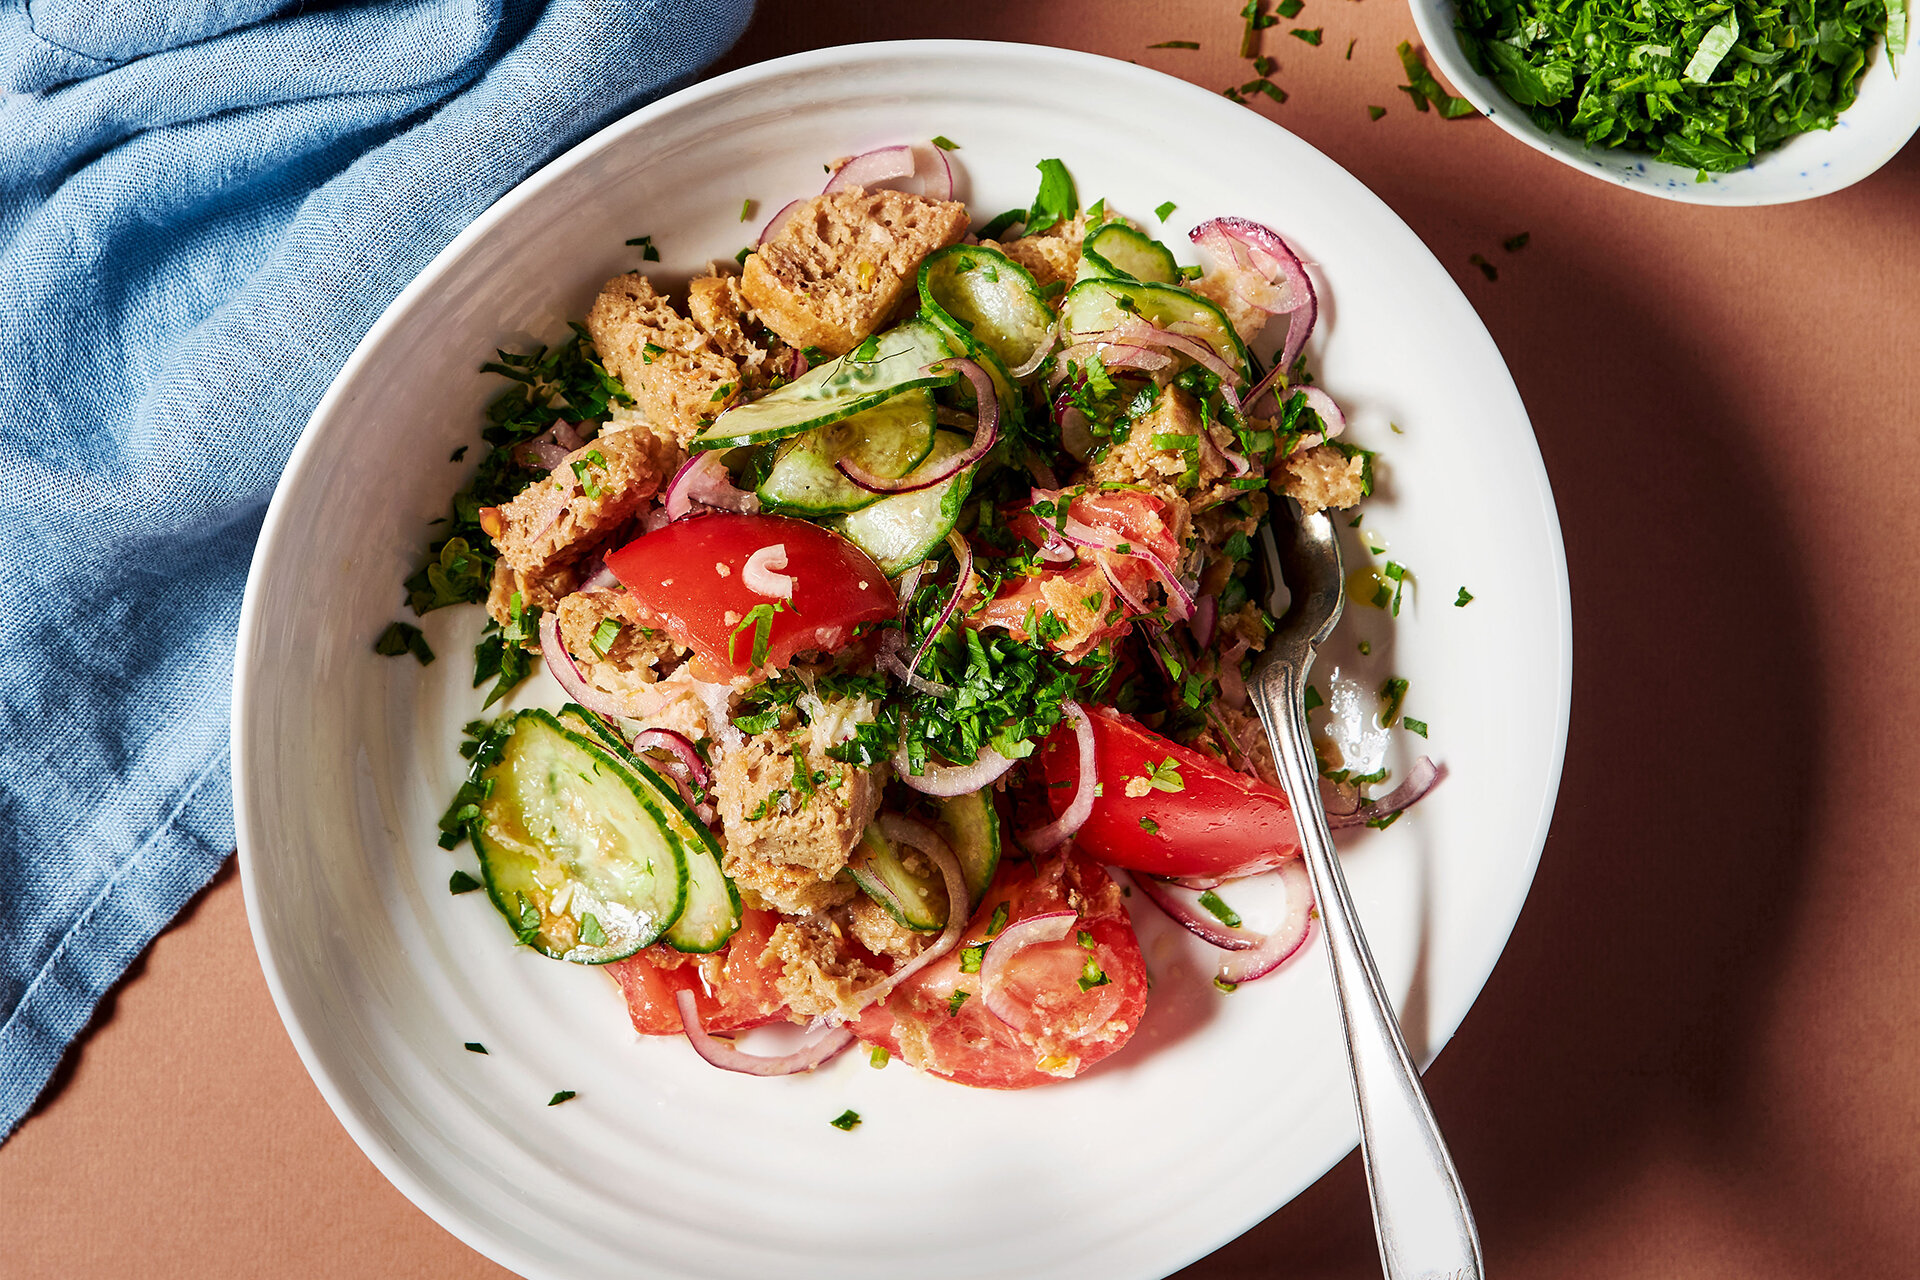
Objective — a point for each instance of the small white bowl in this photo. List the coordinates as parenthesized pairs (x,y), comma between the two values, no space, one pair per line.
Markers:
(1881,120)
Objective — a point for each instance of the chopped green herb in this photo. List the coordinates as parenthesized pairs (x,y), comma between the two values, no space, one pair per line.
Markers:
(1350,45)
(1225,914)
(1464,599)
(1514,244)
(1374,113)
(1265,66)
(1414,726)
(1161,211)
(1311,35)
(461,882)
(759,621)
(565,1095)
(746,209)
(605,635)
(399,638)
(1055,202)
(998,922)
(647,252)
(1313,699)
(1258,22)
(970,958)
(741,257)
(1266,86)
(1393,693)
(1381,824)
(945,143)
(1176,44)
(1223,985)
(590,931)
(458,454)
(1011,218)
(1424,89)
(474,1046)
(879,1057)
(1165,776)
(1290,8)
(1366,648)
(1149,826)
(1487,269)
(1091,975)
(846,1120)
(954,1002)
(1397,574)
(526,920)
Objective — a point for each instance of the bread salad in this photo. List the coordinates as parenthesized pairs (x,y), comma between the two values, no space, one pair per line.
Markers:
(901,584)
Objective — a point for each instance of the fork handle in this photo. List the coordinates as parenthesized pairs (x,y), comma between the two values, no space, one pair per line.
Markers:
(1420,1212)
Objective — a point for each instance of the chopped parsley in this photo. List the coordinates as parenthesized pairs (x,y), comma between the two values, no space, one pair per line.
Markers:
(954,1002)
(998,922)
(1149,826)
(1165,776)
(526,920)
(1161,211)
(846,1121)
(1290,8)
(1313,699)
(590,931)
(1091,975)
(1414,726)
(461,882)
(1464,599)
(1223,985)
(474,1046)
(605,635)
(1311,35)
(1055,202)
(1487,269)
(1392,693)
(1176,44)
(647,252)
(1397,574)
(401,637)
(458,454)
(565,1095)
(1514,244)
(1258,22)
(1424,89)
(1374,113)
(1220,911)
(945,143)
(759,621)
(879,1057)
(970,958)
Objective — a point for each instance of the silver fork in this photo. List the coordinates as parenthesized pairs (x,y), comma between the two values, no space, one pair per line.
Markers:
(1420,1212)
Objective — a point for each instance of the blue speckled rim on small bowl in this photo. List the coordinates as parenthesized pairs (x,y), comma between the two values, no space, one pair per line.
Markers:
(1869,133)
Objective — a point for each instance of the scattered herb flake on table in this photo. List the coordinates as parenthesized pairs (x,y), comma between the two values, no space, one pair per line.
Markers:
(1176,44)
(1424,89)
(1514,244)
(1705,86)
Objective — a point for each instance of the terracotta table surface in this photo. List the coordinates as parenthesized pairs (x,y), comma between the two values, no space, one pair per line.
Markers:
(1700,1055)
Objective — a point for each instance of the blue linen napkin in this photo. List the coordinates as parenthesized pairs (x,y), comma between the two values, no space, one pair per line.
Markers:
(204,204)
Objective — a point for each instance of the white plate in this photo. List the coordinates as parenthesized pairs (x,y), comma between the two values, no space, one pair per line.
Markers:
(1867,134)
(1224,1107)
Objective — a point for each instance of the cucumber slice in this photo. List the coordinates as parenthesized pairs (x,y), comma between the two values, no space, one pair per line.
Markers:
(890,439)
(901,531)
(1012,403)
(918,902)
(892,362)
(1094,305)
(567,830)
(972,827)
(713,908)
(1117,251)
(988,295)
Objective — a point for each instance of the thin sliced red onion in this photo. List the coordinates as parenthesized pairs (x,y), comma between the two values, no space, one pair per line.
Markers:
(1031,932)
(910,582)
(1133,331)
(1261,254)
(938,184)
(726,1056)
(760,573)
(703,478)
(963,567)
(1085,535)
(888,658)
(1062,828)
(1120,588)
(777,221)
(600,579)
(1112,355)
(1421,778)
(1194,918)
(680,746)
(922,170)
(1264,388)
(1330,415)
(913,834)
(567,672)
(952,779)
(1272,951)
(986,430)
(1205,614)
(1041,351)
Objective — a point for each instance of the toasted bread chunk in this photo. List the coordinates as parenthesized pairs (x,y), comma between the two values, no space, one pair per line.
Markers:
(534,592)
(1322,478)
(772,820)
(819,974)
(671,367)
(718,307)
(844,262)
(631,656)
(556,521)
(1052,258)
(1138,460)
(879,932)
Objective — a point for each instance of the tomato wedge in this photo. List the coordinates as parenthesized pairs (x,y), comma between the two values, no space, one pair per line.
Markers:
(1060,1027)
(687,577)
(742,996)
(1166,809)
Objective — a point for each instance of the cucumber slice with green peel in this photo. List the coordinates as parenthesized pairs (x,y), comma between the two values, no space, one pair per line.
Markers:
(1117,251)
(917,900)
(882,366)
(890,439)
(990,296)
(1012,403)
(971,826)
(576,850)
(1093,306)
(902,530)
(712,912)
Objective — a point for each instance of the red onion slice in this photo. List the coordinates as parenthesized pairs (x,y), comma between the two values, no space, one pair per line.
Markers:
(888,658)
(725,1056)
(921,170)
(986,430)
(1330,415)
(1003,954)
(1421,778)
(703,478)
(567,672)
(1084,535)
(1170,897)
(1268,275)
(1040,353)
(1272,951)
(1061,829)
(1133,602)
(679,745)
(1200,626)
(775,223)
(1133,331)
(914,835)
(963,567)
(1113,355)
(952,779)
(759,574)
(910,582)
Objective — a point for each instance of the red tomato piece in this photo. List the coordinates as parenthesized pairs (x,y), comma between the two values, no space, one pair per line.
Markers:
(731,989)
(1202,819)
(688,577)
(1063,1029)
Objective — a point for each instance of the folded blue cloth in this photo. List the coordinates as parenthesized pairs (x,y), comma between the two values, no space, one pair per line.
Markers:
(203,205)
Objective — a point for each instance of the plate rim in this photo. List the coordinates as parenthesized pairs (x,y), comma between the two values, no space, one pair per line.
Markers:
(852,57)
